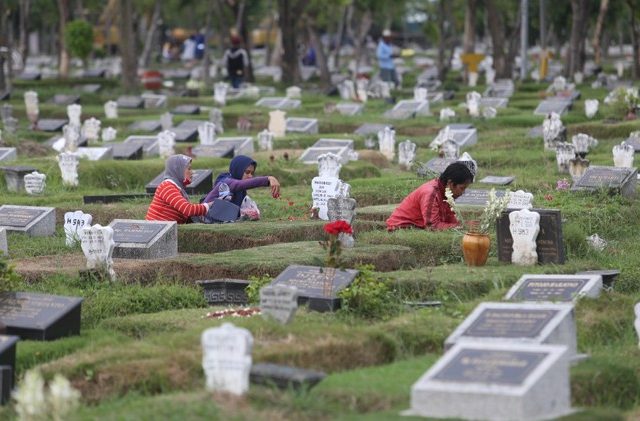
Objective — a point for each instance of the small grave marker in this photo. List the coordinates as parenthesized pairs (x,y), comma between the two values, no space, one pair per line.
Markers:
(616,179)
(73,223)
(565,288)
(32,220)
(35,183)
(97,244)
(302,125)
(226,358)
(549,243)
(139,239)
(225,291)
(279,302)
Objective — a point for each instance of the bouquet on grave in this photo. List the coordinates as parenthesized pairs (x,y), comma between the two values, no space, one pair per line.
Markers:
(490,213)
(333,245)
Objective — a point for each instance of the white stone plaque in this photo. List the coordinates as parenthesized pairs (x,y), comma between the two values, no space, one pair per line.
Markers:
(74,111)
(294,92)
(220,93)
(71,136)
(166,143)
(207,133)
(109,134)
(91,129)
(277,123)
(35,183)
(329,165)
(524,226)
(324,188)
(591,107)
(473,103)
(111,110)
(387,142)
(623,155)
(73,223)
(226,358)
(520,200)
(166,121)
(406,154)
(97,245)
(68,163)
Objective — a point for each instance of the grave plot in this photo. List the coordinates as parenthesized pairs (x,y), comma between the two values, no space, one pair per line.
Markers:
(239,145)
(311,155)
(149,144)
(408,108)
(201,183)
(558,106)
(302,125)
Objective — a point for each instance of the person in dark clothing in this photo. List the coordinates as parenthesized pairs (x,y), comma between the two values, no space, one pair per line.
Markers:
(236,60)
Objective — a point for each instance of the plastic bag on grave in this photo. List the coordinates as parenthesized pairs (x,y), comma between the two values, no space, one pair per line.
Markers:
(249,209)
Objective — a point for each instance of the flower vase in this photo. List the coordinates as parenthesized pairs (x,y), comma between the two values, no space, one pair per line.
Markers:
(475,246)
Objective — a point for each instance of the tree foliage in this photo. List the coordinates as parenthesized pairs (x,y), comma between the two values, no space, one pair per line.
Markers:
(79,38)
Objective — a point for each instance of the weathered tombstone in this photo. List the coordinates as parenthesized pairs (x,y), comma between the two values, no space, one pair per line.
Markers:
(4,247)
(35,183)
(560,288)
(14,176)
(277,123)
(73,223)
(524,227)
(148,126)
(68,163)
(220,93)
(265,140)
(97,245)
(91,129)
(387,142)
(154,100)
(207,133)
(74,111)
(166,121)
(32,107)
(533,323)
(226,358)
(565,152)
(279,302)
(242,145)
(553,132)
(591,107)
(294,92)
(616,179)
(347,90)
(583,143)
(327,184)
(623,155)
(139,239)
(341,208)
(520,200)
(41,317)
(349,108)
(473,104)
(489,112)
(215,117)
(511,381)
(109,134)
(549,243)
(130,102)
(11,125)
(166,143)
(111,109)
(577,167)
(148,143)
(317,287)
(406,154)
(420,93)
(71,135)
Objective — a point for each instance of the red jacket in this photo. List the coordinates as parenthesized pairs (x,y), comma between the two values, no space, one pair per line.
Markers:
(425,208)
(168,204)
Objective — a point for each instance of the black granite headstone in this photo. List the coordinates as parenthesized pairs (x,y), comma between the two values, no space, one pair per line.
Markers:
(133,232)
(130,151)
(549,289)
(40,316)
(509,323)
(213,151)
(510,368)
(225,291)
(549,244)
(317,286)
(608,275)
(284,377)
(5,96)
(19,217)
(186,109)
(6,383)
(201,183)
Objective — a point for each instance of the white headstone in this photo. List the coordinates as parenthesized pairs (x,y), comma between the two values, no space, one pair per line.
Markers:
(473,103)
(4,248)
(387,142)
(97,245)
(524,226)
(32,106)
(565,152)
(74,111)
(473,78)
(110,109)
(559,83)
(578,77)
(490,75)
(420,94)
(215,116)
(470,163)
(68,163)
(277,123)
(166,143)
(583,143)
(220,93)
(406,154)
(265,140)
(226,358)
(446,114)
(591,107)
(73,223)
(636,323)
(329,165)
(294,92)
(361,89)
(279,302)
(520,200)
(207,133)
(623,155)
(166,121)
(91,129)
(450,149)
(620,68)
(109,134)
(552,128)
(347,90)
(35,183)
(71,136)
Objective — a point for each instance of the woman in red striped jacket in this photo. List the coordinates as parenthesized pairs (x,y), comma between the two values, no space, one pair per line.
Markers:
(170,201)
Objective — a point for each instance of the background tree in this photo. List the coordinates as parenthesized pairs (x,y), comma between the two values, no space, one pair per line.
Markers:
(79,39)
(63,54)
(127,46)
(289,12)
(503,19)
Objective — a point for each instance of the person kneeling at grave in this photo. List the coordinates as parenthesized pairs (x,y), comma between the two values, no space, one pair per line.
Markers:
(427,207)
(170,201)
(231,187)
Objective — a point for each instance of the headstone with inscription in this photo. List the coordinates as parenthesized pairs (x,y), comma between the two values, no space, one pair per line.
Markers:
(615,179)
(73,223)
(554,105)
(565,152)
(35,183)
(91,129)
(520,199)
(533,323)
(32,220)
(476,197)
(265,140)
(41,317)
(524,226)
(511,381)
(498,180)
(623,155)
(406,154)
(317,286)
(111,109)
(74,112)
(68,163)
(97,245)
(226,358)
(327,184)
(312,154)
(279,302)
(387,142)
(166,143)
(549,243)
(557,288)
(207,133)
(109,134)
(139,239)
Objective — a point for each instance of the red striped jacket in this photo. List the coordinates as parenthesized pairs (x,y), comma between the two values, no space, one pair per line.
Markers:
(168,204)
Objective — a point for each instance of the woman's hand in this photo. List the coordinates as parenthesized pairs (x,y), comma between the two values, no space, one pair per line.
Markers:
(275,187)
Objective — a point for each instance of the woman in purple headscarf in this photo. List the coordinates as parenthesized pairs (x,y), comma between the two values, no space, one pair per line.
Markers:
(239,179)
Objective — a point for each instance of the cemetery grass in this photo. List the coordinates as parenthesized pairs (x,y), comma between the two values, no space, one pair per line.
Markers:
(139,354)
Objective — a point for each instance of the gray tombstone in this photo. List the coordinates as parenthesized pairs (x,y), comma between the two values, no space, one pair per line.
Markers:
(226,358)
(498,180)
(4,247)
(138,239)
(279,302)
(556,288)
(341,208)
(302,125)
(615,179)
(549,243)
(32,220)
(149,144)
(8,154)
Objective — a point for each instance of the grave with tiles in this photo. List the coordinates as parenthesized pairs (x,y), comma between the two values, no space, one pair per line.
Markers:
(130,102)
(533,323)
(154,100)
(476,197)
(148,126)
(330,143)
(95,153)
(556,288)
(494,102)
(311,155)
(186,109)
(349,108)
(317,287)
(184,134)
(149,144)
(14,176)
(51,124)
(63,99)
(220,150)
(369,129)
(407,108)
(549,242)
(497,180)
(558,106)
(139,239)
(32,220)
(127,151)
(241,145)
(615,179)
(201,182)
(302,125)
(41,317)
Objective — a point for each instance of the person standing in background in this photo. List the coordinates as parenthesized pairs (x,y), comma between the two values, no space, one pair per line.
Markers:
(236,60)
(385,55)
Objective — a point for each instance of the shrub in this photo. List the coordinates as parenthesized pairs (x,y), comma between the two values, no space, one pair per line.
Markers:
(79,38)
(9,279)
(255,284)
(368,296)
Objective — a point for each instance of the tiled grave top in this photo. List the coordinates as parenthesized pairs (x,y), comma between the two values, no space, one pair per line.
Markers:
(408,108)
(370,129)
(351,108)
(130,150)
(8,154)
(51,124)
(186,109)
(62,99)
(556,288)
(559,106)
(310,155)
(302,125)
(325,142)
(213,151)
(476,197)
(139,239)
(190,124)
(184,134)
(154,100)
(494,102)
(596,177)
(242,145)
(130,102)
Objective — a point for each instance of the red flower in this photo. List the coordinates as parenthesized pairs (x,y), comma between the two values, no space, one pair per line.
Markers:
(336,227)
(548,197)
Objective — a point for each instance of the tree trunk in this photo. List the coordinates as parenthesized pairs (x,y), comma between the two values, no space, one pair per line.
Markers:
(321,58)
(340,34)
(23,43)
(445,38)
(578,20)
(290,10)
(3,43)
(150,36)
(206,57)
(365,25)
(634,36)
(497,31)
(597,34)
(469,42)
(63,54)
(127,46)
(267,53)
(222,24)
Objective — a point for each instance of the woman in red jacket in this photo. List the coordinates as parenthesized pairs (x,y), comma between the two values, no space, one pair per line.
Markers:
(426,207)
(170,201)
